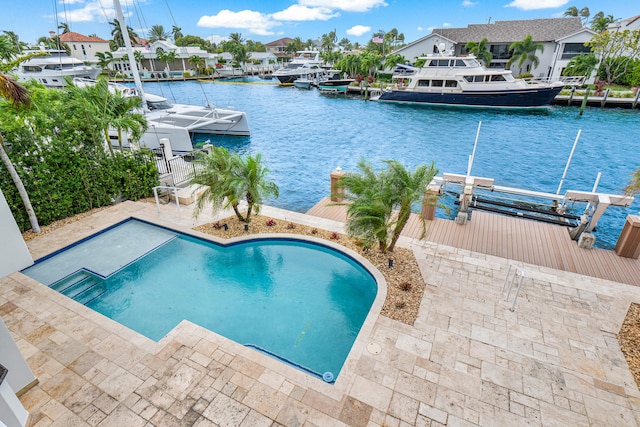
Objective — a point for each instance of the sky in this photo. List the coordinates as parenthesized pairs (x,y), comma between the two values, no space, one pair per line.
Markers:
(269,20)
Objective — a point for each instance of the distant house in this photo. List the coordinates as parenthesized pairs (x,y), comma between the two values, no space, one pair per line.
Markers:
(632,23)
(562,38)
(84,47)
(279,47)
(151,66)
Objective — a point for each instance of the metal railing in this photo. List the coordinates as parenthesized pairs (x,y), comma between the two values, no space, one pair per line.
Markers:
(181,167)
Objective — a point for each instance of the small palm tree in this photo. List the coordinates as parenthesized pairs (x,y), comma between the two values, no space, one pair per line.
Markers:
(158,32)
(177,32)
(634,186)
(228,178)
(525,50)
(480,51)
(64,27)
(393,59)
(18,96)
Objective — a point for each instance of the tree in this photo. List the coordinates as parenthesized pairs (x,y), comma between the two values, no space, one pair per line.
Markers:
(195,41)
(158,32)
(345,44)
(64,27)
(617,50)
(15,40)
(116,33)
(177,32)
(380,203)
(197,61)
(600,22)
(394,59)
(525,50)
(480,51)
(104,59)
(18,96)
(583,13)
(166,57)
(8,49)
(329,40)
(227,179)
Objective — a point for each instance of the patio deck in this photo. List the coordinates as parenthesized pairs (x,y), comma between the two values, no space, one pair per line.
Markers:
(468,360)
(516,239)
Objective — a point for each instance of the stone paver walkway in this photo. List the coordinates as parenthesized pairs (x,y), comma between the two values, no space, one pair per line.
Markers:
(468,360)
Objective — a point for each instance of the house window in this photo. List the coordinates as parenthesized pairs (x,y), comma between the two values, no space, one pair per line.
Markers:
(500,51)
(84,52)
(574,49)
(74,47)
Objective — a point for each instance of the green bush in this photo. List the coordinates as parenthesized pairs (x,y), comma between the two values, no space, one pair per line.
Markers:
(58,149)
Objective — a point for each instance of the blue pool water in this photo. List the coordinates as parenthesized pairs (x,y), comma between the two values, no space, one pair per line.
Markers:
(300,301)
(304,135)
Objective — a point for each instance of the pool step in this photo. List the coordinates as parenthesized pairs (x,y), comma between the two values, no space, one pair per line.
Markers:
(82,286)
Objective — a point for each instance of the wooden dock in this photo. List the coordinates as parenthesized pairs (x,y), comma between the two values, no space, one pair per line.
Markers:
(516,239)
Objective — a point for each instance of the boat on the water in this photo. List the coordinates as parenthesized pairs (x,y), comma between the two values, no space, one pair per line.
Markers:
(306,64)
(51,70)
(229,71)
(445,79)
(334,82)
(304,83)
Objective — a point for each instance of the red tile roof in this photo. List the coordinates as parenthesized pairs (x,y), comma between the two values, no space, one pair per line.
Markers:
(71,37)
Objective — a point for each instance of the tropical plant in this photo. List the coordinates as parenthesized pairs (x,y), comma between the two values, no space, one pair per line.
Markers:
(64,27)
(600,22)
(8,49)
(617,50)
(329,40)
(525,50)
(158,32)
(581,65)
(176,32)
(583,13)
(393,59)
(480,51)
(345,44)
(634,186)
(380,203)
(116,34)
(166,57)
(227,179)
(15,39)
(198,62)
(104,59)
(18,96)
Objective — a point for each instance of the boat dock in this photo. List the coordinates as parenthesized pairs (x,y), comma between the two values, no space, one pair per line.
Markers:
(516,239)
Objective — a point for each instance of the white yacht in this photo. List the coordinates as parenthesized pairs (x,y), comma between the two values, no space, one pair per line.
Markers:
(445,79)
(307,64)
(51,70)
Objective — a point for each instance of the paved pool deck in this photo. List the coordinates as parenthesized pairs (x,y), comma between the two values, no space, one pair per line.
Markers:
(468,359)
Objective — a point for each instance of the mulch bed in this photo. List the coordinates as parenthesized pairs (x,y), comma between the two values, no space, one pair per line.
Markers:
(629,340)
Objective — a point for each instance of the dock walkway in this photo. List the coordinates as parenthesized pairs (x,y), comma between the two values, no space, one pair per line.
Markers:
(516,239)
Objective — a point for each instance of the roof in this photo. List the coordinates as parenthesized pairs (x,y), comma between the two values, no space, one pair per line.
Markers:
(540,30)
(280,42)
(70,37)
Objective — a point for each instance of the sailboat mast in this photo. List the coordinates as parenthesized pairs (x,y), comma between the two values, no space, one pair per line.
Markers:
(132,60)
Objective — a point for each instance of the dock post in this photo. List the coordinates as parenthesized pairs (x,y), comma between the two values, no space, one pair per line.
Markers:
(337,192)
(584,100)
(604,99)
(573,91)
(429,202)
(635,100)
(628,245)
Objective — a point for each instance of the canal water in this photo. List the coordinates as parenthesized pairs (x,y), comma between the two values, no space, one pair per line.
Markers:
(304,135)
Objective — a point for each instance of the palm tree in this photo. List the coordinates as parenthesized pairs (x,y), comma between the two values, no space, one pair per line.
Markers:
(197,61)
(525,50)
(228,178)
(166,57)
(634,186)
(329,40)
(236,38)
(104,59)
(64,27)
(600,22)
(394,59)
(583,13)
(380,203)
(18,96)
(116,33)
(581,65)
(480,51)
(158,32)
(177,32)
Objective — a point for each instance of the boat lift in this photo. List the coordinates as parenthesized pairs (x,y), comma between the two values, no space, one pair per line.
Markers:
(473,195)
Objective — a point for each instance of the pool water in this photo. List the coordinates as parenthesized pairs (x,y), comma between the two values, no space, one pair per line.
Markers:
(300,301)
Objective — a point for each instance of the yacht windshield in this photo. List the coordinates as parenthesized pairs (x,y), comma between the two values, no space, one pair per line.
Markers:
(159,105)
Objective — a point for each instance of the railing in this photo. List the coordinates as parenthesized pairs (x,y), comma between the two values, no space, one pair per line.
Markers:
(567,80)
(181,167)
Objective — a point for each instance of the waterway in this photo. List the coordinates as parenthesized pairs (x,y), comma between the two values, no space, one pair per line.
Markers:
(304,135)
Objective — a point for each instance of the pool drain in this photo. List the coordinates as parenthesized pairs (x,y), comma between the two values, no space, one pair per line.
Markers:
(327,377)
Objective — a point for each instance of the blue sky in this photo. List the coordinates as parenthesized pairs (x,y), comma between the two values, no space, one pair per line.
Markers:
(268,20)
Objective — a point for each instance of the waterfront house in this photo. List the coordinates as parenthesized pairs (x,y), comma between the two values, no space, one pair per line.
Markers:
(563,38)
(279,47)
(84,47)
(631,24)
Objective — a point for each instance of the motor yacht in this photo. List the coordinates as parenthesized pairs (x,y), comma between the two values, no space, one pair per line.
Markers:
(307,64)
(445,79)
(51,70)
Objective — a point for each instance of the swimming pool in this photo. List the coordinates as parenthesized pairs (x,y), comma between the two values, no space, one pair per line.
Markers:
(300,301)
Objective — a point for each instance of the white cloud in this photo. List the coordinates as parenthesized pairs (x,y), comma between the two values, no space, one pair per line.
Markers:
(469,3)
(420,29)
(255,22)
(537,4)
(446,24)
(93,10)
(358,30)
(297,12)
(346,5)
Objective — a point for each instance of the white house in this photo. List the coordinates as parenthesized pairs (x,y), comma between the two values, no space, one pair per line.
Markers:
(632,23)
(562,39)
(84,47)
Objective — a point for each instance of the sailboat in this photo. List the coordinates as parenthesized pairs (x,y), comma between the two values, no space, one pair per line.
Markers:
(178,122)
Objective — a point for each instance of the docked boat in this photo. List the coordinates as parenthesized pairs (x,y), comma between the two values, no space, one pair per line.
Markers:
(306,64)
(229,71)
(333,82)
(462,81)
(303,83)
(51,70)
